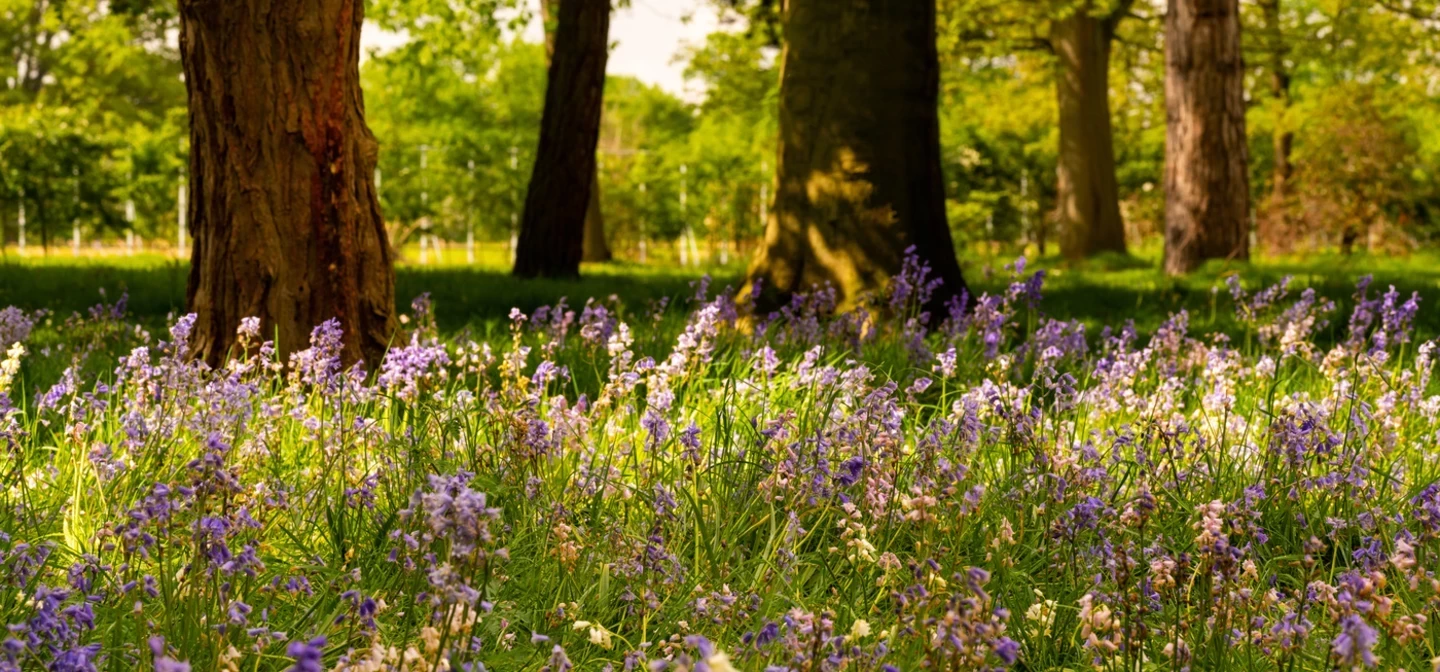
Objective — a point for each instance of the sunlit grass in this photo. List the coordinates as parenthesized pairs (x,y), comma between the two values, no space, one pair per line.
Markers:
(666,488)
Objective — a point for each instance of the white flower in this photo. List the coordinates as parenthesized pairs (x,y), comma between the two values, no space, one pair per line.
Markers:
(11,365)
(1265,368)
(719,662)
(859,629)
(599,636)
(1042,614)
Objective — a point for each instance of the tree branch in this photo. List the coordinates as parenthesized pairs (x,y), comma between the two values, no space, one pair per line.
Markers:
(1409,10)
(1111,21)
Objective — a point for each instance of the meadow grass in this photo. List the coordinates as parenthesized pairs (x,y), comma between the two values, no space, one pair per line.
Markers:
(1246,479)
(478,298)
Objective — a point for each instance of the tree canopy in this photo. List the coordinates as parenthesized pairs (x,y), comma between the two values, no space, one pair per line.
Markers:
(95,87)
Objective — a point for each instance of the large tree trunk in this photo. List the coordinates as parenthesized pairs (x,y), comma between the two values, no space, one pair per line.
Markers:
(1087,199)
(858,177)
(594,248)
(1276,221)
(1207,183)
(552,230)
(283,213)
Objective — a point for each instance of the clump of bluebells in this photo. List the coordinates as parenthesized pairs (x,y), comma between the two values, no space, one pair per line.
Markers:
(891,488)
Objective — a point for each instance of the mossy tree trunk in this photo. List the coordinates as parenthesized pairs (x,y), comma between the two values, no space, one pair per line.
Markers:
(563,186)
(283,213)
(858,174)
(1087,199)
(1207,183)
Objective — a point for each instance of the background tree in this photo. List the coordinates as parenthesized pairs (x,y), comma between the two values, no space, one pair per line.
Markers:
(285,219)
(1079,37)
(593,247)
(1207,189)
(1327,64)
(101,79)
(999,160)
(1360,176)
(730,149)
(553,225)
(1087,202)
(473,107)
(467,90)
(1275,54)
(645,137)
(63,171)
(858,179)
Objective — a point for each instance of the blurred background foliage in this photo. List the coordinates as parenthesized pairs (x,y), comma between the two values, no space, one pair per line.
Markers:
(93,125)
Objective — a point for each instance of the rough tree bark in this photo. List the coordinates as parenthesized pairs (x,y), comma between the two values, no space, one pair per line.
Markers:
(1087,199)
(1207,187)
(594,248)
(552,229)
(858,176)
(283,212)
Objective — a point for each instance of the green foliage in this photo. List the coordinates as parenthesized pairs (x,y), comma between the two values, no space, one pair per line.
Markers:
(474,113)
(1093,498)
(1363,113)
(479,298)
(475,99)
(92,106)
(1361,74)
(642,135)
(54,165)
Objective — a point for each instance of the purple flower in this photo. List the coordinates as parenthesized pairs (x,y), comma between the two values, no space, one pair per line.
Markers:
(558,662)
(1355,645)
(307,655)
(1007,650)
(239,612)
(15,326)
(164,663)
(453,511)
(408,369)
(249,328)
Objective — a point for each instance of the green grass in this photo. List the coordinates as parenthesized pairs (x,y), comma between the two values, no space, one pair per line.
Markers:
(1100,291)
(816,498)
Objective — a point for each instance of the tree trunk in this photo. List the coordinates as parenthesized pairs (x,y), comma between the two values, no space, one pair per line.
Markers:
(552,230)
(858,176)
(283,214)
(1276,220)
(1087,199)
(595,248)
(1207,184)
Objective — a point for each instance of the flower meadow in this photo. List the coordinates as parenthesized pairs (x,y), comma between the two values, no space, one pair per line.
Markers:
(693,486)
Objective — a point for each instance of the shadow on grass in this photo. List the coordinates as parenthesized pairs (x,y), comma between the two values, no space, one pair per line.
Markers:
(1110,291)
(1099,292)
(477,298)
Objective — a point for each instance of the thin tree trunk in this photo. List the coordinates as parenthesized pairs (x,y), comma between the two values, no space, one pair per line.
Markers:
(858,177)
(582,27)
(1276,220)
(595,248)
(1207,184)
(1087,199)
(283,213)
(43,219)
